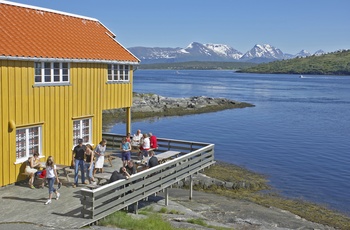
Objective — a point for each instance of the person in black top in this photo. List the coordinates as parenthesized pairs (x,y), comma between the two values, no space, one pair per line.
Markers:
(78,161)
(89,163)
(153,161)
(130,167)
(119,175)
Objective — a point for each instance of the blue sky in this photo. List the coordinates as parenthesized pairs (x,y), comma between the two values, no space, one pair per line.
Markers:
(291,25)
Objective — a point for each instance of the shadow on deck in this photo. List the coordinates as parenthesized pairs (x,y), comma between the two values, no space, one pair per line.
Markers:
(19,203)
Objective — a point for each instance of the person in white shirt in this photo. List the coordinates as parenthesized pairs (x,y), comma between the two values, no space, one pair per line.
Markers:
(136,139)
(51,176)
(146,145)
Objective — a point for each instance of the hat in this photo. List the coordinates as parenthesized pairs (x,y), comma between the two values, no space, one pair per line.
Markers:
(80,140)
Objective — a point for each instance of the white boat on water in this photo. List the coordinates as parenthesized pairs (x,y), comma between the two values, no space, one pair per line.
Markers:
(301,76)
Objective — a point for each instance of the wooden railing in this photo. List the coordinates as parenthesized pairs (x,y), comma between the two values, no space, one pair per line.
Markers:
(102,201)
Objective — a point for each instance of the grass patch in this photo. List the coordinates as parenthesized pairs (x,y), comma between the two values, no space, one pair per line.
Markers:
(310,211)
(201,222)
(122,220)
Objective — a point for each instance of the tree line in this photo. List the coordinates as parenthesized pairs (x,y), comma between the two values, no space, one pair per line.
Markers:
(336,63)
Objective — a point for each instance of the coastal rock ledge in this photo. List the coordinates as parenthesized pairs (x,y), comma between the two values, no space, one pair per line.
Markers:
(147,105)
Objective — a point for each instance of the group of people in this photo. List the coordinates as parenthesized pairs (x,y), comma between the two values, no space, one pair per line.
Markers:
(90,160)
(84,158)
(142,143)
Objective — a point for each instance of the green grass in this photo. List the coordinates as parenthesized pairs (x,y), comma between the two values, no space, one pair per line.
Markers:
(201,222)
(122,220)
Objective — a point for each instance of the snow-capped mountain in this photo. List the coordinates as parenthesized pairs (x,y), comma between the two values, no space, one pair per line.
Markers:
(193,52)
(213,52)
(224,50)
(319,53)
(263,51)
(303,53)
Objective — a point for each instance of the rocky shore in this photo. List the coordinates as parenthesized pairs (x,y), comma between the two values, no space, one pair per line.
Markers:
(153,105)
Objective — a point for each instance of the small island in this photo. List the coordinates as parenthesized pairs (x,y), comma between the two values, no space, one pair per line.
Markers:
(147,105)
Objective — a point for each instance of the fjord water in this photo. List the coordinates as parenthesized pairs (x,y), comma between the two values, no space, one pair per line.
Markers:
(298,133)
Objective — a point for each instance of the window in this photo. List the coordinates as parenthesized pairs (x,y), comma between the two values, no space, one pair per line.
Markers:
(51,72)
(28,142)
(118,73)
(82,129)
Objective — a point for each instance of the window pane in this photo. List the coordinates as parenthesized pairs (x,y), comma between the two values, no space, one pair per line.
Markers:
(37,66)
(121,72)
(38,78)
(47,73)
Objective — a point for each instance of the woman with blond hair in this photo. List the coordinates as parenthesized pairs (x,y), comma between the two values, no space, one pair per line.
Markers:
(51,176)
(89,162)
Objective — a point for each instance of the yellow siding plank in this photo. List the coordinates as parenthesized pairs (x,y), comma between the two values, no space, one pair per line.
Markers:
(20,74)
(10,158)
(3,121)
(29,74)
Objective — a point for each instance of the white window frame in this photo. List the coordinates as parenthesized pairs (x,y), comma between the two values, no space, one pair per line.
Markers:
(118,73)
(28,144)
(80,130)
(52,74)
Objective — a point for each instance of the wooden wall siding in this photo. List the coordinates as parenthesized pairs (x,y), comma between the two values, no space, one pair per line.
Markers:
(55,107)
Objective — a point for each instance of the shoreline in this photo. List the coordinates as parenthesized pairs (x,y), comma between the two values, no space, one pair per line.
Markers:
(148,105)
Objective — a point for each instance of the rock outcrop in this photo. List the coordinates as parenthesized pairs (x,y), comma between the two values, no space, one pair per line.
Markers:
(153,105)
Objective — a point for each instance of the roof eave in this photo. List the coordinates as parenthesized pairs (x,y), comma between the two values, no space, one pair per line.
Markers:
(37,59)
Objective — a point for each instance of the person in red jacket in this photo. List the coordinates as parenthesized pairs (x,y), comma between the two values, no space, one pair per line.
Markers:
(153,141)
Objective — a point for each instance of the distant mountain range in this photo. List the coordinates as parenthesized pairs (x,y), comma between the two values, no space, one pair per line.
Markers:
(213,52)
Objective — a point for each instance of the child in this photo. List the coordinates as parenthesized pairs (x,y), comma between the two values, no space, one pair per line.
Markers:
(51,175)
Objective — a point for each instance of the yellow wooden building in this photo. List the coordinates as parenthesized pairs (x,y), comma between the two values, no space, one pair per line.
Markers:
(58,71)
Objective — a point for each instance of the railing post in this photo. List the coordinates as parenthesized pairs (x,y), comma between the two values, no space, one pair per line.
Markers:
(166,196)
(136,207)
(191,187)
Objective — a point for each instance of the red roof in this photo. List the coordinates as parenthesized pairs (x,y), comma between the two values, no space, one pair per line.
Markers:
(33,32)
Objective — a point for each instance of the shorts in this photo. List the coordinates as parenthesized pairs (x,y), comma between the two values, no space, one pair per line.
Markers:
(126,156)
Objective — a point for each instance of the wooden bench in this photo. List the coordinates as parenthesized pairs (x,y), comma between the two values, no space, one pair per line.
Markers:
(68,171)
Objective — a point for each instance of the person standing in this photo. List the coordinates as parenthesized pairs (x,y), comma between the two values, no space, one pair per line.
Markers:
(126,154)
(153,141)
(145,142)
(78,155)
(100,151)
(136,140)
(51,176)
(128,137)
(89,163)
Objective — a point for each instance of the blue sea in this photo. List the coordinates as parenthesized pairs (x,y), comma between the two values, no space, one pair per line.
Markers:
(298,133)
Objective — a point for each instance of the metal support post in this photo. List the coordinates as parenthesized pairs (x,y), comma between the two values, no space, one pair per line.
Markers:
(191,187)
(166,197)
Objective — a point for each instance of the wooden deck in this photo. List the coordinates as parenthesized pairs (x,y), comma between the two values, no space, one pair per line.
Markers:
(19,203)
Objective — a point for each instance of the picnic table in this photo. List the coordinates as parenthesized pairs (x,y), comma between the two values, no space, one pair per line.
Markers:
(165,156)
(102,176)
(162,158)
